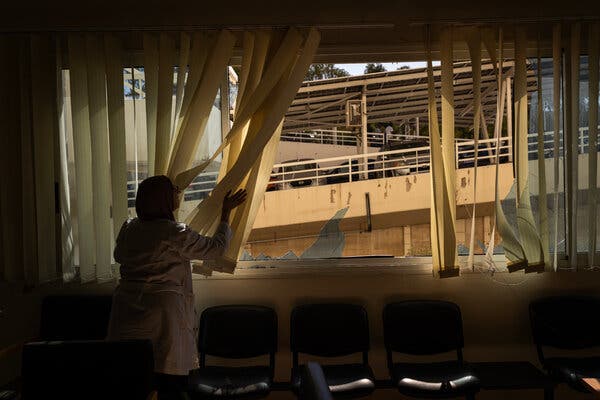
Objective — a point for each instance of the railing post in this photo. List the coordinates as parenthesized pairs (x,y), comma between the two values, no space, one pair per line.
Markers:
(349,170)
(417,162)
(455,153)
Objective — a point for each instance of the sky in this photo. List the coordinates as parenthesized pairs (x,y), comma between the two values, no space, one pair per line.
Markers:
(358,69)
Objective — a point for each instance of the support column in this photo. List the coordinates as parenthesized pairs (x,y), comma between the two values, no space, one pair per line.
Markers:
(407,241)
(487,229)
(365,144)
(417,127)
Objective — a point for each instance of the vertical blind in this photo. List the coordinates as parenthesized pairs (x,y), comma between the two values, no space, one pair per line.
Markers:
(183,72)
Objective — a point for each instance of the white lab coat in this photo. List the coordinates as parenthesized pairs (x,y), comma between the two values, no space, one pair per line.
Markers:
(154,299)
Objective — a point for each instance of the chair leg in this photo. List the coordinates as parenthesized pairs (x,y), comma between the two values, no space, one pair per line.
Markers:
(549,393)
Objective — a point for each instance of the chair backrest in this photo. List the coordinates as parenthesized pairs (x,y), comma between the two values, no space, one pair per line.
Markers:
(566,322)
(313,385)
(75,317)
(423,327)
(87,370)
(237,331)
(329,330)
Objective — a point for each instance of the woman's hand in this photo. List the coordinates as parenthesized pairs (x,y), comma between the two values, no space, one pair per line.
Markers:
(232,201)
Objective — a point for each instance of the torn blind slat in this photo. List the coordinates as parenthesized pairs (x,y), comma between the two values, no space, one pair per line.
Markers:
(164,102)
(528,231)
(474,44)
(512,247)
(556,103)
(83,157)
(116,125)
(151,86)
(542,193)
(572,141)
(448,149)
(593,40)
(205,216)
(98,112)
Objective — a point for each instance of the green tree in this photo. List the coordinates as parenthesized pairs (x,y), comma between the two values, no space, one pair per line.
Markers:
(372,68)
(324,71)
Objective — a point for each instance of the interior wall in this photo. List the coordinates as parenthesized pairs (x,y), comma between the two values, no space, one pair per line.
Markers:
(494,309)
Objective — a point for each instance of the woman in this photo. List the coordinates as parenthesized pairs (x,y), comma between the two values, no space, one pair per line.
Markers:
(154,299)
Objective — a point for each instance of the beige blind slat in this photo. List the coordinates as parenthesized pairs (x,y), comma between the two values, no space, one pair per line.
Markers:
(96,73)
(593,43)
(556,103)
(201,45)
(82,143)
(64,218)
(474,44)
(164,102)
(45,130)
(528,231)
(151,79)
(512,246)
(542,193)
(203,218)
(116,124)
(273,74)
(448,150)
(11,196)
(187,140)
(30,256)
(572,140)
(182,68)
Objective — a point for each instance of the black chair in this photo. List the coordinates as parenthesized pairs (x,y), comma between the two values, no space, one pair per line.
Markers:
(314,386)
(567,323)
(333,330)
(427,327)
(88,370)
(235,331)
(75,317)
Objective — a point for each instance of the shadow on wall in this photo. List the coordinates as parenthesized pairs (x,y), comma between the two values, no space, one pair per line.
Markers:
(329,244)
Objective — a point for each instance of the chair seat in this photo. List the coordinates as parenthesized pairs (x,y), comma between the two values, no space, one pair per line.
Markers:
(230,382)
(571,370)
(345,380)
(435,380)
(8,395)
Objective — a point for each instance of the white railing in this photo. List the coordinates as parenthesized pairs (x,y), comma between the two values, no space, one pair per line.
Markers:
(377,165)
(583,140)
(341,138)
(465,152)
(381,164)
(200,187)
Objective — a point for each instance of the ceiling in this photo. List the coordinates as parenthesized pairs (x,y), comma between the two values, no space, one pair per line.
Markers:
(351,31)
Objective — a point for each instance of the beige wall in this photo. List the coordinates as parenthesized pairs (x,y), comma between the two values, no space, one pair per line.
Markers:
(494,308)
(388,196)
